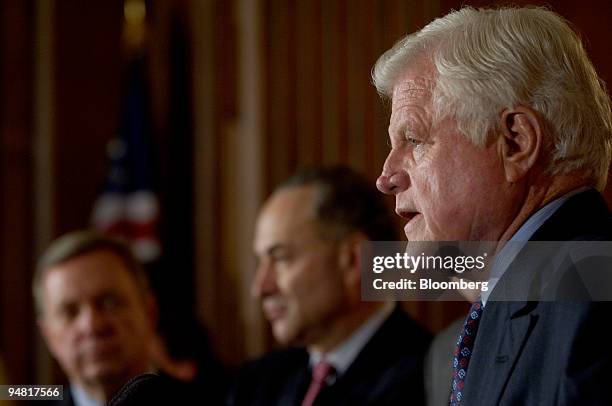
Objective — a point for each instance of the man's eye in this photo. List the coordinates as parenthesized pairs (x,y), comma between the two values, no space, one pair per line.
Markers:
(413,141)
(281,258)
(109,302)
(68,312)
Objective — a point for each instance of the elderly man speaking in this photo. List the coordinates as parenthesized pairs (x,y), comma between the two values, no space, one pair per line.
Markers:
(501,130)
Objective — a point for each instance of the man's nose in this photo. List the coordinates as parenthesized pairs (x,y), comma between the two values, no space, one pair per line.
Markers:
(393,179)
(264,282)
(93,320)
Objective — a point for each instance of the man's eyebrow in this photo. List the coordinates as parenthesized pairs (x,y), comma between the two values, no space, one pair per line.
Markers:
(66,303)
(403,128)
(276,248)
(406,126)
(270,252)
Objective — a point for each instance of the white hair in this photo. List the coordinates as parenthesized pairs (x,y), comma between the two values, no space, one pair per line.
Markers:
(488,60)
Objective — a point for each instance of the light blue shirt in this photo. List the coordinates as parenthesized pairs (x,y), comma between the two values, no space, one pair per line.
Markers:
(82,398)
(520,238)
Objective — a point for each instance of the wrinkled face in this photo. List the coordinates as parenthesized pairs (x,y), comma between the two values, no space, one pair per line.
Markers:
(298,279)
(95,319)
(445,187)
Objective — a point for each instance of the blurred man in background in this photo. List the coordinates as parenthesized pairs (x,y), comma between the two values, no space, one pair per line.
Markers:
(96,314)
(345,351)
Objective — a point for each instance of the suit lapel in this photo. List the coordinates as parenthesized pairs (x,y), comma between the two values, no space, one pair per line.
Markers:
(502,334)
(296,385)
(384,360)
(368,362)
(503,331)
(582,216)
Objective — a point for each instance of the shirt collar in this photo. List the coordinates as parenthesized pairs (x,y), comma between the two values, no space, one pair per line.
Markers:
(80,397)
(507,254)
(344,354)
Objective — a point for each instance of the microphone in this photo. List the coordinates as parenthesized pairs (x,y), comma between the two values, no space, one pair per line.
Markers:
(150,389)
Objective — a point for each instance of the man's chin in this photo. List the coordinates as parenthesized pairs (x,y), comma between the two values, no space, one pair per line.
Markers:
(419,236)
(283,334)
(423,234)
(105,372)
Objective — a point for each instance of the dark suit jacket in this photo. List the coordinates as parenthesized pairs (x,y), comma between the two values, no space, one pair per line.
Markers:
(546,352)
(387,371)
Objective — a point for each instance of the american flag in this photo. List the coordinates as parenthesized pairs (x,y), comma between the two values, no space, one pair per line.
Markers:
(128,205)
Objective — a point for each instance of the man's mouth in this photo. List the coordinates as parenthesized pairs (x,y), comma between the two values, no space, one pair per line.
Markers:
(100,351)
(273,309)
(411,216)
(407,214)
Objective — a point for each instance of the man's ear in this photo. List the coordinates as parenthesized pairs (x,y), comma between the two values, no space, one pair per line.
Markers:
(43,328)
(520,142)
(46,333)
(350,257)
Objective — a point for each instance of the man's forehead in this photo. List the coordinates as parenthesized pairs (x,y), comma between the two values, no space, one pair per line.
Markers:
(411,87)
(284,234)
(88,272)
(416,79)
(287,217)
(411,99)
(288,207)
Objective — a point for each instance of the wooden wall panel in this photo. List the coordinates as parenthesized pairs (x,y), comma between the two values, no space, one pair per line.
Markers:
(308,82)
(87,92)
(341,85)
(280,22)
(16,203)
(330,77)
(227,315)
(320,104)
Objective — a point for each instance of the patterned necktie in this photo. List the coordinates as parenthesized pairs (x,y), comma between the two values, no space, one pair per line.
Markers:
(320,373)
(463,351)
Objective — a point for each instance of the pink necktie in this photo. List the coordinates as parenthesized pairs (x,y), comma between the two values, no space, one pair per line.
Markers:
(320,373)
